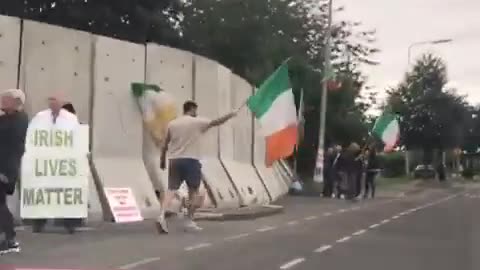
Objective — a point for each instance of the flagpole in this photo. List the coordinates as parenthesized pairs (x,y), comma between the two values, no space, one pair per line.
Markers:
(318,176)
(300,129)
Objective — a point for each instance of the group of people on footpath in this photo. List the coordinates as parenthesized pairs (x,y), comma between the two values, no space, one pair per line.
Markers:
(13,130)
(347,170)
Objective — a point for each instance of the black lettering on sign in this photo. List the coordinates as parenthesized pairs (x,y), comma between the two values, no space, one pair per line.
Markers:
(53,138)
(55,196)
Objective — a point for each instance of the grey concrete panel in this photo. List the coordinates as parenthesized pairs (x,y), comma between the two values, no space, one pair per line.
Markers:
(242,124)
(275,185)
(9,50)
(56,59)
(172,70)
(117,139)
(206,85)
(236,151)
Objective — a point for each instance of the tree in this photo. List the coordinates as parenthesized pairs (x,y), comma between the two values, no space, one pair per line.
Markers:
(432,116)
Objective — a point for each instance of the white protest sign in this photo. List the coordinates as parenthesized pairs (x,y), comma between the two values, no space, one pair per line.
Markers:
(55,169)
(123,205)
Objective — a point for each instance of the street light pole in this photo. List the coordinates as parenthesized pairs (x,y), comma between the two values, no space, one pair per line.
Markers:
(318,177)
(426,42)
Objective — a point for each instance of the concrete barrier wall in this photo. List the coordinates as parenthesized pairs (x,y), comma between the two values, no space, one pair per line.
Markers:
(117,123)
(239,162)
(95,73)
(206,93)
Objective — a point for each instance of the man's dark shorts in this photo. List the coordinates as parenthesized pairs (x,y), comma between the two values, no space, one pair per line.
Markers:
(184,169)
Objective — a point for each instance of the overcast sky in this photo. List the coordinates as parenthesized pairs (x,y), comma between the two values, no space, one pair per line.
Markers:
(400,23)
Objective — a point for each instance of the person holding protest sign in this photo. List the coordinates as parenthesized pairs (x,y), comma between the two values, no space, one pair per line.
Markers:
(58,113)
(13,129)
(182,144)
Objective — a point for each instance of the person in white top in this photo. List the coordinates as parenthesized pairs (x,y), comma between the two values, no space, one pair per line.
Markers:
(183,149)
(58,116)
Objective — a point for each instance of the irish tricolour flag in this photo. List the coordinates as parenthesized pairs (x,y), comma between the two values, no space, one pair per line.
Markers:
(387,129)
(274,107)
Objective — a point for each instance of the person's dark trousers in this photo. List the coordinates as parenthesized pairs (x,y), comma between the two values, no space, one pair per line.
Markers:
(358,184)
(352,186)
(327,185)
(6,218)
(370,184)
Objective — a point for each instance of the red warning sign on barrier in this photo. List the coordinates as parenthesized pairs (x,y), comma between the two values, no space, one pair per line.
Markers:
(123,205)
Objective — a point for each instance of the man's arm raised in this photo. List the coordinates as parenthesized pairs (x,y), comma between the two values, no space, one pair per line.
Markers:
(223,119)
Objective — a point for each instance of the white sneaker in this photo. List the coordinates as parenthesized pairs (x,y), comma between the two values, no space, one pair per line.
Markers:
(191,226)
(161,224)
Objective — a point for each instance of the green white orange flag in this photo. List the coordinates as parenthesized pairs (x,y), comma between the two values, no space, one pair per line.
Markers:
(387,129)
(274,107)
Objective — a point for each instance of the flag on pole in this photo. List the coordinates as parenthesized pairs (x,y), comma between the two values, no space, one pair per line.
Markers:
(387,129)
(274,107)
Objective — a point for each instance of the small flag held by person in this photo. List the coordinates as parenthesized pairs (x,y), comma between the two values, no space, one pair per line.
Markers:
(387,129)
(274,107)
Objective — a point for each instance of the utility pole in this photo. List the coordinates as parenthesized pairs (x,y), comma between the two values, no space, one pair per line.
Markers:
(318,176)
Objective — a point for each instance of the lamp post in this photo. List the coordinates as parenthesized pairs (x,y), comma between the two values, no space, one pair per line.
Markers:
(318,176)
(426,42)
(413,45)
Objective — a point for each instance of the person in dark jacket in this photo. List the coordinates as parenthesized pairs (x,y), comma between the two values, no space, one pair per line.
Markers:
(13,129)
(372,171)
(327,173)
(347,167)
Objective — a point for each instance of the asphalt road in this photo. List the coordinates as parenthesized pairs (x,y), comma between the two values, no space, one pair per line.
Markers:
(438,229)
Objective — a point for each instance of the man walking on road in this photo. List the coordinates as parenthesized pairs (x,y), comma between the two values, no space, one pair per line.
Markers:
(183,146)
(13,129)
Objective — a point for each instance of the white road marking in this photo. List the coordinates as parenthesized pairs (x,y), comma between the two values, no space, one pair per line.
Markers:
(327,214)
(202,245)
(342,210)
(385,221)
(355,208)
(138,263)
(344,239)
(292,263)
(395,217)
(266,229)
(311,218)
(374,226)
(292,223)
(322,249)
(238,236)
(359,232)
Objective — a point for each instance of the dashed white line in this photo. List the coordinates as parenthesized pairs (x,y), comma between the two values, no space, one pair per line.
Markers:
(292,223)
(395,217)
(385,221)
(235,237)
(292,263)
(322,249)
(327,214)
(202,245)
(266,229)
(311,218)
(138,263)
(374,226)
(342,210)
(344,239)
(359,232)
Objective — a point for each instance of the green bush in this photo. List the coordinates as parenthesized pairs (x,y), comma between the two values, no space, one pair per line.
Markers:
(468,173)
(393,164)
